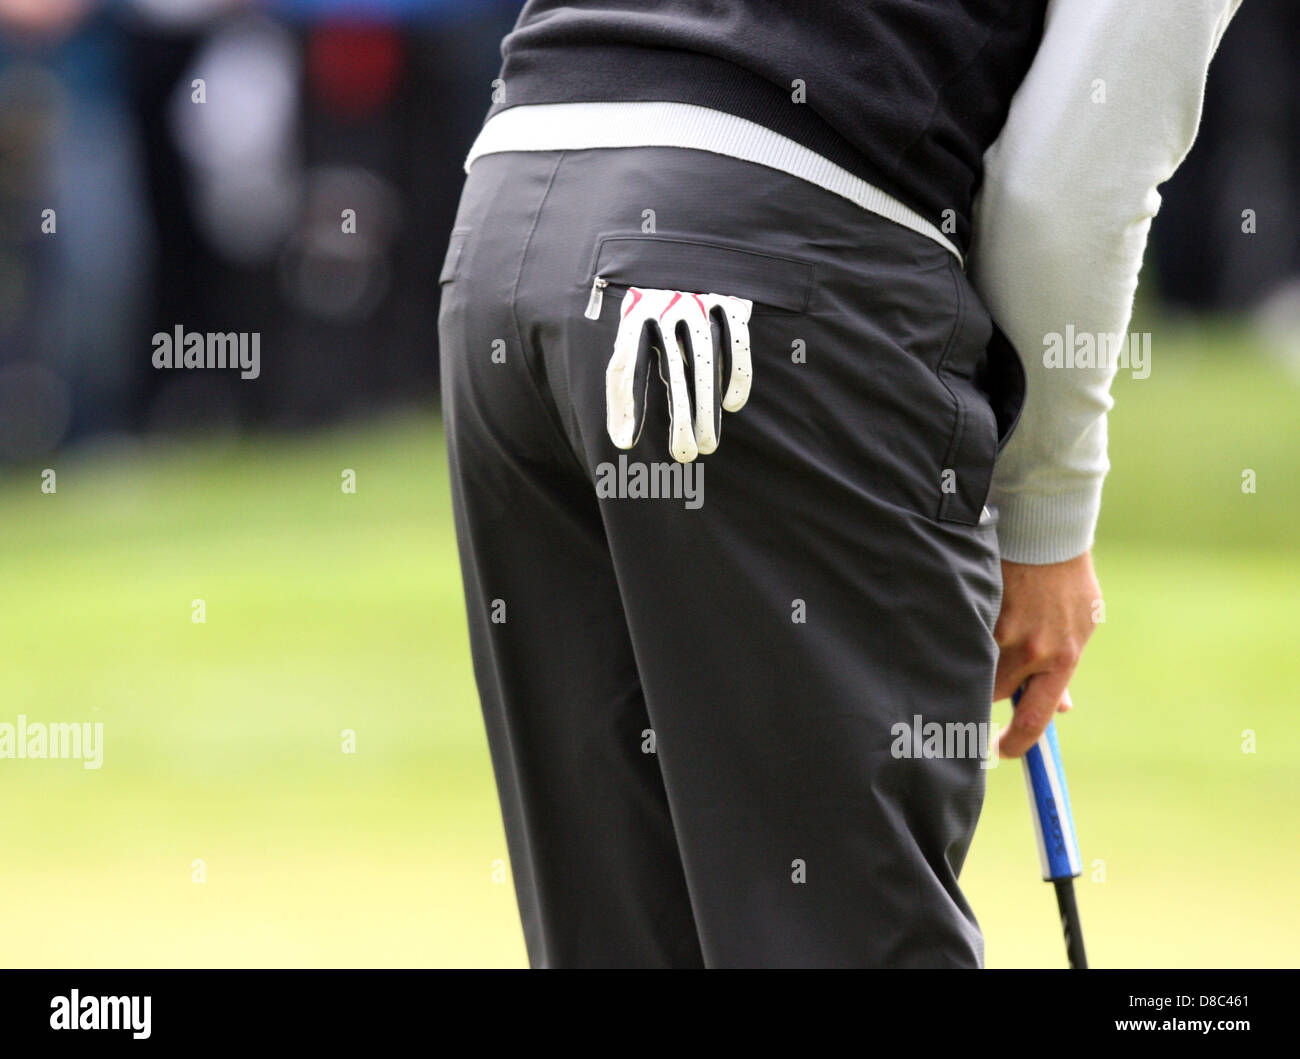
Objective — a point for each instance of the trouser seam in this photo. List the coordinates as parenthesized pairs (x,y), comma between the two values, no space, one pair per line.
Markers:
(529,355)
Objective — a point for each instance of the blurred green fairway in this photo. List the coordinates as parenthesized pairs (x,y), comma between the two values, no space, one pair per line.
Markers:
(327,611)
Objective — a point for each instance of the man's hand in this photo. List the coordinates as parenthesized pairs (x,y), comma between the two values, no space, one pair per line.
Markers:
(1047,616)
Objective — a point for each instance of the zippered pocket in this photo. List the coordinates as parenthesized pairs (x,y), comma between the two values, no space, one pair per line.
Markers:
(988,393)
(775,284)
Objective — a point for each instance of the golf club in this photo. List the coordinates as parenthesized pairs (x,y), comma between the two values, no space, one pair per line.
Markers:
(1058,847)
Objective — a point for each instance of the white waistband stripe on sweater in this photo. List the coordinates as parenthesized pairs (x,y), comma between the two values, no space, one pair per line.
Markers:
(583,126)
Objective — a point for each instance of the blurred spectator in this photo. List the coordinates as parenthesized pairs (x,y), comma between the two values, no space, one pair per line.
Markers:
(70,230)
(394,94)
(228,214)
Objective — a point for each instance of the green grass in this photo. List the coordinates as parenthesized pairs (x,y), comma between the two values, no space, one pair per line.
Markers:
(328,611)
(223,740)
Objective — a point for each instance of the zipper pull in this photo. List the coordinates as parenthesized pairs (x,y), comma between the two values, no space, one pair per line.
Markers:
(597,298)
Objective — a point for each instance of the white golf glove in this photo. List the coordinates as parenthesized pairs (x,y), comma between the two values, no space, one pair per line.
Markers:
(681,330)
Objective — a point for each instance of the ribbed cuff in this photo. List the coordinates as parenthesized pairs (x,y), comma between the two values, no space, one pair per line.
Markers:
(1040,529)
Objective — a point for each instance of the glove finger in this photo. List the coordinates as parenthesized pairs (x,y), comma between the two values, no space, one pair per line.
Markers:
(672,370)
(622,416)
(703,370)
(721,367)
(734,313)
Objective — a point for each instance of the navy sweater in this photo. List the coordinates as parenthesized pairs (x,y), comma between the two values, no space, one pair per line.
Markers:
(907,94)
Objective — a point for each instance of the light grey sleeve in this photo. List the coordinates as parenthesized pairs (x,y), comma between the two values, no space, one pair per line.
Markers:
(1107,112)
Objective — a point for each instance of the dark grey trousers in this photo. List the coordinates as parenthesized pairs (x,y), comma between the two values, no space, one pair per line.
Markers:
(691,703)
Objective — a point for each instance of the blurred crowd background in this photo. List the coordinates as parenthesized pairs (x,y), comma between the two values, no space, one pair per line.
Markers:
(225,216)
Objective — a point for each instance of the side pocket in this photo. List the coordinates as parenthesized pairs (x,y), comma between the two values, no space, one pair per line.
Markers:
(451,263)
(1006,384)
(451,301)
(985,376)
(968,468)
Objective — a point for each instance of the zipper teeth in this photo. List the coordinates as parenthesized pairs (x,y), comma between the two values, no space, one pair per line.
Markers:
(596,299)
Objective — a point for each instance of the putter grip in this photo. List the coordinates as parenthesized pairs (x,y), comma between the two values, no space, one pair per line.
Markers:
(1049,800)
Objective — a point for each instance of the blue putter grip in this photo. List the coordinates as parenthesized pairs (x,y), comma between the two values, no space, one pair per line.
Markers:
(1049,800)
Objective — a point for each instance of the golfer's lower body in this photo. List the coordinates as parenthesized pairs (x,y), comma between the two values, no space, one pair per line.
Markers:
(692,704)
